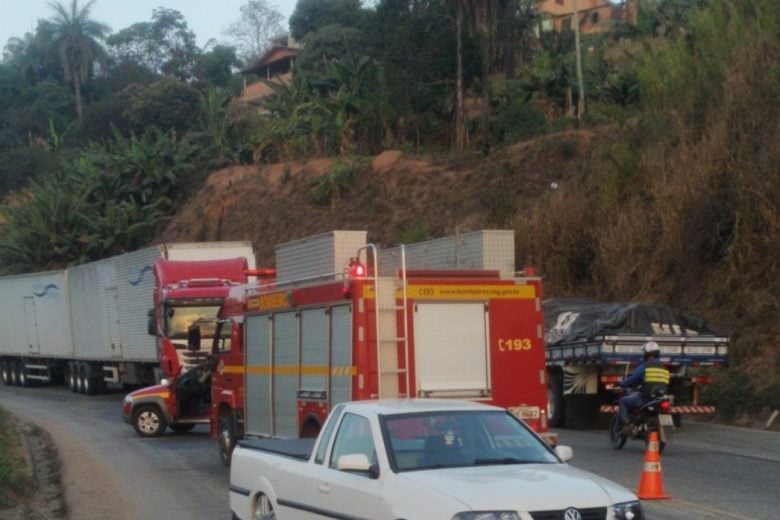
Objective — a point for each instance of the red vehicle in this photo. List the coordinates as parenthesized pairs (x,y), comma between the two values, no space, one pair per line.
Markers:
(287,352)
(187,295)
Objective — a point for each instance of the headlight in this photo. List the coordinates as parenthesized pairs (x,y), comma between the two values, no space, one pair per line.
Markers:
(627,511)
(487,515)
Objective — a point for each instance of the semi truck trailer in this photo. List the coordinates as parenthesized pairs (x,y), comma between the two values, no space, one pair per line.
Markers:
(120,320)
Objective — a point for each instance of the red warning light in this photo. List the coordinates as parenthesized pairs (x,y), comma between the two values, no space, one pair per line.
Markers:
(356,269)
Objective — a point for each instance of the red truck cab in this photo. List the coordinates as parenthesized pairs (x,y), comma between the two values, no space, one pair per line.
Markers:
(187,298)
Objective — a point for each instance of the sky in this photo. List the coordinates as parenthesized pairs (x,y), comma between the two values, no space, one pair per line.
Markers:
(206,18)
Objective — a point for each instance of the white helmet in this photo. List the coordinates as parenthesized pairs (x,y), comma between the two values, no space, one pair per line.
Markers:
(651,346)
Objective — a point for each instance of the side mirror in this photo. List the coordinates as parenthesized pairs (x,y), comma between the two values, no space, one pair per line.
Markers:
(357,462)
(193,338)
(565,453)
(151,325)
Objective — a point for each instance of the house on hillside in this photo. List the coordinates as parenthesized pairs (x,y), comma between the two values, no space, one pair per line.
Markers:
(596,16)
(274,66)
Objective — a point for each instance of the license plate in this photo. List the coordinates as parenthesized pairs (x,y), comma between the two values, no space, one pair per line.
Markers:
(665,419)
(526,412)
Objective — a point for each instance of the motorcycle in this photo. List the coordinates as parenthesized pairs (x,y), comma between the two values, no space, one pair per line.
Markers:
(652,416)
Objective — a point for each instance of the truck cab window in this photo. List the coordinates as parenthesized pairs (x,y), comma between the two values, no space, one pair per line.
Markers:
(222,336)
(179,318)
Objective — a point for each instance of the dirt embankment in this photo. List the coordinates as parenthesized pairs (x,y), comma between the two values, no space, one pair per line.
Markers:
(393,194)
(66,481)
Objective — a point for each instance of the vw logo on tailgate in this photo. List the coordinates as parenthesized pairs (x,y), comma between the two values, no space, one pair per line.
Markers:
(572,514)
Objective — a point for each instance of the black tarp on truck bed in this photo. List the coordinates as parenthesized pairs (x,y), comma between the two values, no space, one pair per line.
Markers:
(577,320)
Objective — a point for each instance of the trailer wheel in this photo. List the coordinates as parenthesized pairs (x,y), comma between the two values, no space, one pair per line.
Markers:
(72,378)
(22,379)
(81,383)
(227,438)
(149,421)
(263,509)
(87,387)
(92,384)
(6,372)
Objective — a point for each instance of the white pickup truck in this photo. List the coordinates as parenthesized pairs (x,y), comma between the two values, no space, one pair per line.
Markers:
(419,459)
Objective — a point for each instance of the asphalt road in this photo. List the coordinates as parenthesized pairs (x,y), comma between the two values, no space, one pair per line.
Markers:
(711,472)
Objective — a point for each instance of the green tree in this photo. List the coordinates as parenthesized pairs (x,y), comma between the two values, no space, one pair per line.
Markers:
(167,104)
(414,43)
(76,38)
(215,67)
(311,15)
(328,44)
(165,45)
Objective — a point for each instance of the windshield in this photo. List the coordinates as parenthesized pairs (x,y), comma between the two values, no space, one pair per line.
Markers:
(463,438)
(179,318)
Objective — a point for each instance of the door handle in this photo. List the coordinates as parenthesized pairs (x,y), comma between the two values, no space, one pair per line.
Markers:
(323,487)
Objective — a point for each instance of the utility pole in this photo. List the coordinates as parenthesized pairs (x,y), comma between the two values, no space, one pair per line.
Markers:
(578,51)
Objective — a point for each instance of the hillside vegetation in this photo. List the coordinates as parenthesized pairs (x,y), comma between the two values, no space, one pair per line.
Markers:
(666,189)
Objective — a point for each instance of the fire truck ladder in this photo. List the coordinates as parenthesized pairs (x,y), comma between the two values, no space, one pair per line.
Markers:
(392,330)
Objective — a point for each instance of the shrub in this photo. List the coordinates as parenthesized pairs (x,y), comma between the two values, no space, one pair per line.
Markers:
(339,177)
(733,394)
(418,232)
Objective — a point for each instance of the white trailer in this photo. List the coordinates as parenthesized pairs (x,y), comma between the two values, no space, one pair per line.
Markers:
(89,322)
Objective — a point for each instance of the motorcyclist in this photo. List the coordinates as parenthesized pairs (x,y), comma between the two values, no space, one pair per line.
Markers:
(648,375)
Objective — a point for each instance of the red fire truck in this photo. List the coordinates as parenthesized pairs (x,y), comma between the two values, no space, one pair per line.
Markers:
(290,350)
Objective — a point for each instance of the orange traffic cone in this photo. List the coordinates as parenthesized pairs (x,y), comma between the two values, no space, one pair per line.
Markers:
(651,485)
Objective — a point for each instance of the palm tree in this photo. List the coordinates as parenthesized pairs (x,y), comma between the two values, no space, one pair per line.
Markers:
(75,39)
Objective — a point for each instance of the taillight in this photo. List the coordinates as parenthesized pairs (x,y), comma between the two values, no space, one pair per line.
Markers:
(664,405)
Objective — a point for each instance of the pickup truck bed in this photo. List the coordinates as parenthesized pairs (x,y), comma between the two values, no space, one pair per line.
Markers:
(296,448)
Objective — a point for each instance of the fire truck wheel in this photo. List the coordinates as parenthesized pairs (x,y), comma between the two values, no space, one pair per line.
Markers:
(227,438)
(149,421)
(181,428)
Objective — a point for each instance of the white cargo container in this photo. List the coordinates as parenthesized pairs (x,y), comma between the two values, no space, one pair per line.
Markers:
(486,249)
(317,256)
(91,318)
(34,312)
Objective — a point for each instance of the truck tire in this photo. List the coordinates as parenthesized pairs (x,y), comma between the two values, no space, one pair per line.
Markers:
(227,438)
(13,367)
(93,384)
(81,384)
(149,421)
(5,370)
(555,410)
(87,383)
(263,510)
(22,379)
(72,378)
